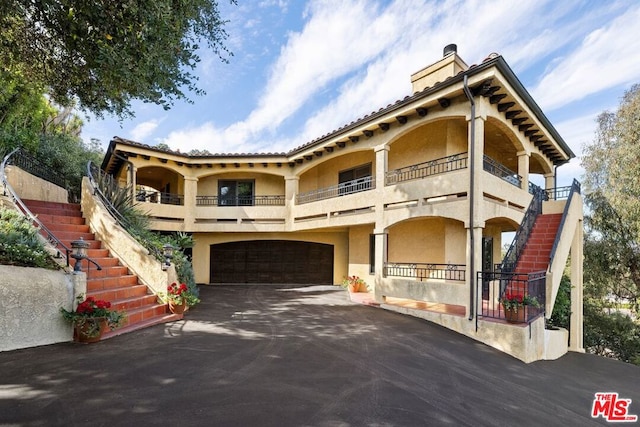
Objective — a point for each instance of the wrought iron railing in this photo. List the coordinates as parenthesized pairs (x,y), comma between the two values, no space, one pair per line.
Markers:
(32,165)
(423,271)
(562,193)
(349,187)
(522,234)
(240,201)
(153,196)
(501,171)
(575,188)
(10,192)
(492,287)
(423,170)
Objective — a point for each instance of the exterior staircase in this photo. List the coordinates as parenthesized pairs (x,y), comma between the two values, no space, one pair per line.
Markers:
(536,253)
(113,283)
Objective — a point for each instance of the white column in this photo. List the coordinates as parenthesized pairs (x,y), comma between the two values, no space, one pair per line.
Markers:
(576,332)
(523,169)
(291,185)
(190,192)
(549,181)
(381,238)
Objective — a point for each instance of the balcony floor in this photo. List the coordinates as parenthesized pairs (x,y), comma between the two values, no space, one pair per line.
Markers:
(367,298)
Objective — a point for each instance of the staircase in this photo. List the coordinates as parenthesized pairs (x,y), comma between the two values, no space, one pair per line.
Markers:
(113,283)
(536,253)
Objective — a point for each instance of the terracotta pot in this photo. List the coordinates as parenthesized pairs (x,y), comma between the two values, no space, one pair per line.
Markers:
(177,308)
(513,316)
(354,287)
(86,332)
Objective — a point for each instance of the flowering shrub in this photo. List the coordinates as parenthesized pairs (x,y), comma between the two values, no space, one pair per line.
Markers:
(513,301)
(354,281)
(89,311)
(19,242)
(179,294)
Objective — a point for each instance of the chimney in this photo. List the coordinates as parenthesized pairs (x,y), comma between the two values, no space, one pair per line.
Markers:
(450,48)
(450,65)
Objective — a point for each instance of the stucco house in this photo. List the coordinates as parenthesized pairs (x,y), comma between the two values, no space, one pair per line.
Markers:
(414,198)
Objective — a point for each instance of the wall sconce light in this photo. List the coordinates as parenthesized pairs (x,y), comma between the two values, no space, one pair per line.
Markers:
(167,251)
(79,252)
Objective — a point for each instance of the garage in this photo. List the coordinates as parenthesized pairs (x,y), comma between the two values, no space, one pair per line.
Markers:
(272,261)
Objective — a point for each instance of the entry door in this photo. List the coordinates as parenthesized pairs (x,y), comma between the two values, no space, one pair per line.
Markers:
(487,264)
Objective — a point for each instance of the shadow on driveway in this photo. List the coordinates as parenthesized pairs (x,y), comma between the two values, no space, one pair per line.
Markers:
(300,356)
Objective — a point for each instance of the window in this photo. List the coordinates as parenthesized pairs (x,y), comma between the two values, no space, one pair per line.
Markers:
(372,253)
(235,193)
(355,180)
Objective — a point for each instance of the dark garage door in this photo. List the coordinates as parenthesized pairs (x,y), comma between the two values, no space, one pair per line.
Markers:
(272,261)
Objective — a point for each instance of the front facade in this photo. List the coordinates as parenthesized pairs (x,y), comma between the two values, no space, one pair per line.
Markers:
(414,198)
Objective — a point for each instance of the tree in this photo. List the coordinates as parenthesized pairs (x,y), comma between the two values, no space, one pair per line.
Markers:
(612,194)
(106,53)
(612,242)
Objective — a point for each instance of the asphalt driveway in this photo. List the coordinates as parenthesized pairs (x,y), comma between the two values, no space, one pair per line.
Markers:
(300,356)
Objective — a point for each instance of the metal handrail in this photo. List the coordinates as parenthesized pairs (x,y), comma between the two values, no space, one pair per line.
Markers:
(51,238)
(575,188)
(424,271)
(425,169)
(522,234)
(501,171)
(342,189)
(115,214)
(240,201)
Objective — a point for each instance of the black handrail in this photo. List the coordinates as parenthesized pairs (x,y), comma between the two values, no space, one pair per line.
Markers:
(51,238)
(522,234)
(92,171)
(575,188)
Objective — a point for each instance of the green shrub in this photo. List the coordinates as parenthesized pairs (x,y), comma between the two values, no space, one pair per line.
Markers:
(561,315)
(20,244)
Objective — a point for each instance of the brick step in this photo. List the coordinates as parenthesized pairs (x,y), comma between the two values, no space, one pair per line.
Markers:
(115,295)
(68,228)
(97,253)
(534,258)
(152,321)
(93,244)
(69,235)
(536,253)
(145,313)
(40,203)
(110,272)
(135,302)
(105,261)
(56,219)
(56,211)
(101,284)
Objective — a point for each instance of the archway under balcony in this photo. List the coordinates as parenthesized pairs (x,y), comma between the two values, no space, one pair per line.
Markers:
(429,141)
(156,184)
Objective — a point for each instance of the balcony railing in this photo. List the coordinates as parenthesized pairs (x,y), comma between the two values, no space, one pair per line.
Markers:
(349,187)
(159,197)
(501,171)
(240,201)
(422,271)
(423,170)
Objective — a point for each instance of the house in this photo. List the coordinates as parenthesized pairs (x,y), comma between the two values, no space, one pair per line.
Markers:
(415,198)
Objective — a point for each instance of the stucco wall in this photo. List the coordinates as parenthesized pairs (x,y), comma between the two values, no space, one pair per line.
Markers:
(31,187)
(30,302)
(265,184)
(131,253)
(359,253)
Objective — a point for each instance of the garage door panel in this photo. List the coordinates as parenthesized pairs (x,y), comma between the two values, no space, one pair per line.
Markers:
(271,261)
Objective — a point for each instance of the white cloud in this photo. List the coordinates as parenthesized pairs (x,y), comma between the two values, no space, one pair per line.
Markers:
(142,130)
(608,56)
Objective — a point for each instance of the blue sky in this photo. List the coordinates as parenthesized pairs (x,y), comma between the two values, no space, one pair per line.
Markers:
(304,68)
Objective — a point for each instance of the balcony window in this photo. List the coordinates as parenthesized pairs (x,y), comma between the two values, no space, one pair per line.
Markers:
(350,177)
(235,193)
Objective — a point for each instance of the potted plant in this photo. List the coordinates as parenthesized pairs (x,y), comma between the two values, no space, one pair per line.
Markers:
(353,283)
(515,304)
(180,298)
(91,318)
